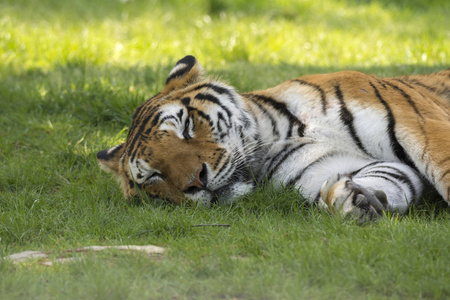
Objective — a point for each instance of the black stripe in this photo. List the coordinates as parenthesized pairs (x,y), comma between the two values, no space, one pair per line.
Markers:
(421,84)
(323,98)
(218,89)
(202,115)
(223,166)
(406,96)
(366,166)
(221,90)
(411,87)
(404,83)
(267,114)
(398,150)
(392,181)
(219,159)
(155,120)
(137,132)
(282,109)
(137,111)
(434,91)
(180,114)
(213,99)
(219,127)
(300,174)
(243,144)
(380,82)
(143,108)
(347,119)
(141,111)
(402,178)
(273,159)
(215,88)
(186,101)
(245,120)
(221,117)
(137,114)
(134,152)
(241,136)
(161,121)
(286,153)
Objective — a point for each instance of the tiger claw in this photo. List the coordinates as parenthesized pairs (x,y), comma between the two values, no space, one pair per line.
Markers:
(350,199)
(377,199)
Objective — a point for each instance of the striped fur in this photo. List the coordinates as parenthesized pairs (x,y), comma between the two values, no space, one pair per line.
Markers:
(350,141)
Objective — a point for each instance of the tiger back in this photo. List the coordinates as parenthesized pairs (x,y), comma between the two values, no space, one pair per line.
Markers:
(408,116)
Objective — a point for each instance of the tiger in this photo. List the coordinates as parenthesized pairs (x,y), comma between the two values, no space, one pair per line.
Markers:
(349,142)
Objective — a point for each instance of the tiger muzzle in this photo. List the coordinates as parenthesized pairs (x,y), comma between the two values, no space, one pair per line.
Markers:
(199,182)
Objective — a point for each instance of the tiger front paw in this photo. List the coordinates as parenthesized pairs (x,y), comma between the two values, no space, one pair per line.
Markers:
(341,194)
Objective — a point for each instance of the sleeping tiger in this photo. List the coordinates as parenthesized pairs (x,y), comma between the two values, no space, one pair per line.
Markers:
(352,143)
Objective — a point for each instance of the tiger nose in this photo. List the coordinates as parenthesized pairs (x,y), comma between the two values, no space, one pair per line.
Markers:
(200,180)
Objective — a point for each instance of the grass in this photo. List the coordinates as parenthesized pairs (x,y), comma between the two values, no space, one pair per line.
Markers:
(71,74)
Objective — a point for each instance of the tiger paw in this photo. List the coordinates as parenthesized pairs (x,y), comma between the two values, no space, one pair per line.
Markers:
(341,194)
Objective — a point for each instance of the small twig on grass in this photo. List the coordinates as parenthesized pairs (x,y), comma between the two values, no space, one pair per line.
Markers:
(211,225)
(196,225)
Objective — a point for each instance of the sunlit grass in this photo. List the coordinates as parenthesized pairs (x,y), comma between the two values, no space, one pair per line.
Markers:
(71,73)
(319,33)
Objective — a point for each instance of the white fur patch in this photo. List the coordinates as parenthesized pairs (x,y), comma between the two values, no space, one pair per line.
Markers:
(202,197)
(177,68)
(237,190)
(141,172)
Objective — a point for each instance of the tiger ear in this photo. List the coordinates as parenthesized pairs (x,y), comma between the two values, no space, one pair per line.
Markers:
(109,159)
(187,71)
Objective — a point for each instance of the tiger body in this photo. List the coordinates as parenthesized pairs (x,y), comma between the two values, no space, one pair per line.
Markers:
(340,138)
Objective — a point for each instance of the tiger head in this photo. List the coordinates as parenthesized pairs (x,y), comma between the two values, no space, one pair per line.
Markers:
(189,142)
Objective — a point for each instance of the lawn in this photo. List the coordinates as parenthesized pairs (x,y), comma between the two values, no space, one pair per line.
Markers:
(71,73)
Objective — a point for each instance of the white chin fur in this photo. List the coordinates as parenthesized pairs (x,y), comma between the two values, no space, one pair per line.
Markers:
(235,191)
(202,197)
(227,196)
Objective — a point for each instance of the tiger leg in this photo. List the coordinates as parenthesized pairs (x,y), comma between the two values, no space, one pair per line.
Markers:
(371,190)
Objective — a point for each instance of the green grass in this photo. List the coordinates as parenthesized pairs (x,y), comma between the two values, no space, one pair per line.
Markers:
(71,73)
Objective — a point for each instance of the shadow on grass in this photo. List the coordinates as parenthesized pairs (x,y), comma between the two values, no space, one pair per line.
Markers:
(107,95)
